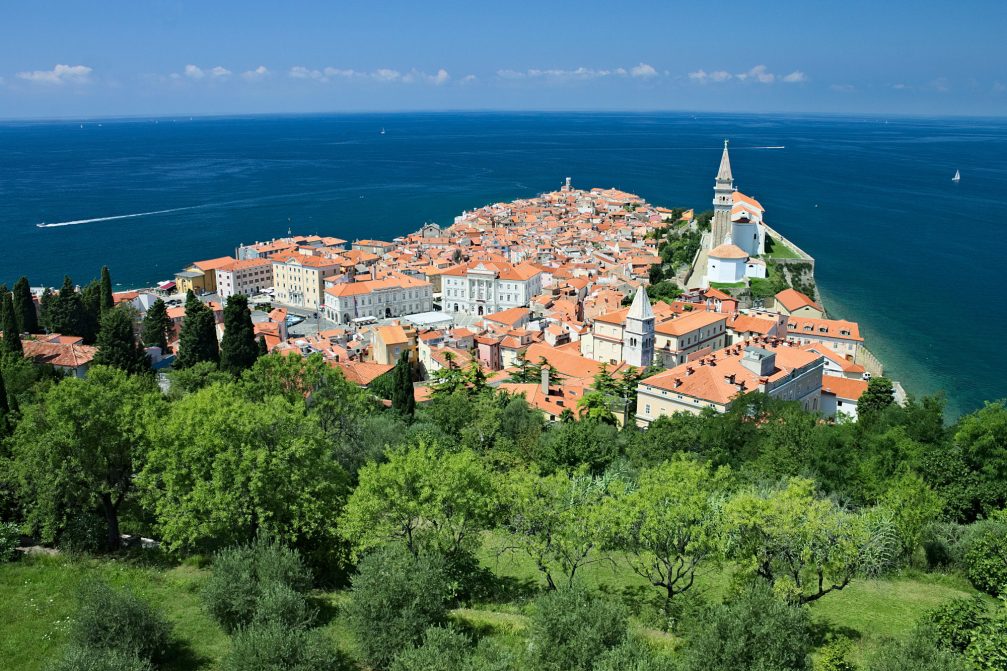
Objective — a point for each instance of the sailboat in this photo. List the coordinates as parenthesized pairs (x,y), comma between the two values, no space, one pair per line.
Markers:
(957,178)
(382,131)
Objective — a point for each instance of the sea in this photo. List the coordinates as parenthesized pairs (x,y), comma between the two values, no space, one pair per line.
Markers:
(917,259)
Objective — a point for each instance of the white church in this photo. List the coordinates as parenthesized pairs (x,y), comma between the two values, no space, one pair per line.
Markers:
(737,235)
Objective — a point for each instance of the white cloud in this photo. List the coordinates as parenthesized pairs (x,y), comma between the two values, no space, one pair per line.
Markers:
(843,88)
(193,72)
(387,75)
(759,74)
(60,74)
(901,87)
(643,70)
(441,77)
(220,72)
(256,74)
(301,72)
(468,79)
(342,73)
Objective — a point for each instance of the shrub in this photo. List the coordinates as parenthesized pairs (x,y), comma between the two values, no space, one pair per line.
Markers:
(111,620)
(634,655)
(986,555)
(274,647)
(942,543)
(83,533)
(953,622)
(755,631)
(571,628)
(988,648)
(280,604)
(243,576)
(10,536)
(93,659)
(832,657)
(918,652)
(443,648)
(394,598)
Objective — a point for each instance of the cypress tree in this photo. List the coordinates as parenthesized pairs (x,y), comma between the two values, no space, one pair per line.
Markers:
(106,302)
(263,347)
(65,312)
(198,338)
(45,308)
(91,321)
(11,334)
(238,347)
(156,325)
(24,307)
(117,347)
(4,408)
(403,399)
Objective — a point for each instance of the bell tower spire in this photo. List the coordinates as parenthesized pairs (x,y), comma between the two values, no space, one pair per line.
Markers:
(723,200)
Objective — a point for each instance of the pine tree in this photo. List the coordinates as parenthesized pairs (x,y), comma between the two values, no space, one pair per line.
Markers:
(198,338)
(24,307)
(11,334)
(403,399)
(117,347)
(156,325)
(106,301)
(238,347)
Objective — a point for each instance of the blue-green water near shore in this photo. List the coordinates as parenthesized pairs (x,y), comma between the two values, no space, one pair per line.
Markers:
(917,259)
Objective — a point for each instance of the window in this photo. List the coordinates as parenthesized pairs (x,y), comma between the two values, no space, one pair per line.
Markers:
(646,409)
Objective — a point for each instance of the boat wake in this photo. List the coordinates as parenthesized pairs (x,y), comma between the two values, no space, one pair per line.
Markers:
(116,217)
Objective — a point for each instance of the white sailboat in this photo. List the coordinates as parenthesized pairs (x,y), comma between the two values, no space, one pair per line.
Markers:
(957,177)
(382,131)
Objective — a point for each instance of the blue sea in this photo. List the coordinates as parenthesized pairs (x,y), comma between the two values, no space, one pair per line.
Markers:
(918,260)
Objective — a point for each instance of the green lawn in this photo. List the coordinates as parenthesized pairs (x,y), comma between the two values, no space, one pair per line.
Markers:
(37,600)
(776,249)
(727,285)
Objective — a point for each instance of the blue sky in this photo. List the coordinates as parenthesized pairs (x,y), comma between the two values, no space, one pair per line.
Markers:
(79,59)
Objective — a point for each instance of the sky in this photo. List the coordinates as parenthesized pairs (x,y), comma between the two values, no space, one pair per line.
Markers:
(70,58)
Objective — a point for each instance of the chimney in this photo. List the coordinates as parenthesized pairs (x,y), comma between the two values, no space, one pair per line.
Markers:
(545,380)
(729,379)
(678,382)
(689,370)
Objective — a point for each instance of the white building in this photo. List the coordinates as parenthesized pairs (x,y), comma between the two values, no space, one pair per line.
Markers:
(389,297)
(730,264)
(247,277)
(482,288)
(638,339)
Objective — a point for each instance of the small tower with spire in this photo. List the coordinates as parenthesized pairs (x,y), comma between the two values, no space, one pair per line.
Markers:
(638,336)
(723,201)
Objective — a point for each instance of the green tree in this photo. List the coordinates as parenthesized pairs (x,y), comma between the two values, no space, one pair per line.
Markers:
(238,349)
(403,399)
(879,395)
(197,340)
(106,302)
(223,468)
(982,437)
(90,297)
(806,547)
(394,598)
(24,307)
(443,648)
(263,347)
(274,647)
(670,524)
(5,416)
(11,335)
(424,496)
(156,326)
(117,346)
(914,507)
(593,407)
(985,557)
(65,312)
(918,651)
(571,629)
(77,448)
(556,519)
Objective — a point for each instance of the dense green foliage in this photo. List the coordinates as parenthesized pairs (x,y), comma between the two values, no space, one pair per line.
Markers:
(11,342)
(197,341)
(238,349)
(112,620)
(24,307)
(274,647)
(572,629)
(156,326)
(117,346)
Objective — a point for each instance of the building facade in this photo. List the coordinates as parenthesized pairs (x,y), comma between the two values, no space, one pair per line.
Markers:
(482,288)
(299,279)
(388,297)
(247,277)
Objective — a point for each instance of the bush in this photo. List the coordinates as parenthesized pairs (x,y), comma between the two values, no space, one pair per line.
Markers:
(571,628)
(988,649)
(274,647)
(942,544)
(986,555)
(92,659)
(110,620)
(918,652)
(755,631)
(953,623)
(83,533)
(394,598)
(443,648)
(832,657)
(247,577)
(10,537)
(634,655)
(282,605)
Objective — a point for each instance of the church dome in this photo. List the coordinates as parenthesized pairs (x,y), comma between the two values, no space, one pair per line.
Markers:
(728,251)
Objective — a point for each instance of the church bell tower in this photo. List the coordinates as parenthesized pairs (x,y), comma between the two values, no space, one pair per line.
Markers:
(723,201)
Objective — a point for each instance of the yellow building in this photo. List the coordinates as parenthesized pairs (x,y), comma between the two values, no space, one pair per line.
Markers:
(299,279)
(201,276)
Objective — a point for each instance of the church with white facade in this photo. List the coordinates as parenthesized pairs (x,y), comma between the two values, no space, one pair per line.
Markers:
(737,235)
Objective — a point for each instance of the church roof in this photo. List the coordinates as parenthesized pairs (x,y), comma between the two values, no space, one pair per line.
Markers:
(724,174)
(640,309)
(728,251)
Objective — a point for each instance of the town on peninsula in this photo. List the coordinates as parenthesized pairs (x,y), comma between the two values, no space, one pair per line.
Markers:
(541,295)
